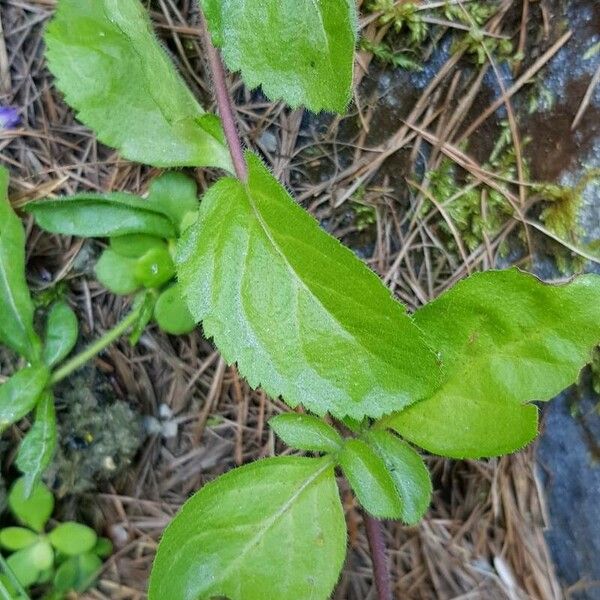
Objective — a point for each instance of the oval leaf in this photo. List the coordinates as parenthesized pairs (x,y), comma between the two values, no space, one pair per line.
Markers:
(113,71)
(72,538)
(298,50)
(34,509)
(77,573)
(16,308)
(172,313)
(100,215)
(372,484)
(22,568)
(306,432)
(274,526)
(155,268)
(408,471)
(61,333)
(16,538)
(505,338)
(136,244)
(291,305)
(175,195)
(117,273)
(20,394)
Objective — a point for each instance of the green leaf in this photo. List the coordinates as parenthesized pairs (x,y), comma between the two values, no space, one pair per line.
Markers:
(16,538)
(61,333)
(38,446)
(408,471)
(101,215)
(171,312)
(298,50)
(22,568)
(72,538)
(505,339)
(77,573)
(33,510)
(306,432)
(274,527)
(148,301)
(41,555)
(117,273)
(155,268)
(175,195)
(115,74)
(298,312)
(370,480)
(20,394)
(103,547)
(16,308)
(136,244)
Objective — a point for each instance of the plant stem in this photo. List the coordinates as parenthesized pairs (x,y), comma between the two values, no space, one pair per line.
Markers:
(381,573)
(100,344)
(6,595)
(225,105)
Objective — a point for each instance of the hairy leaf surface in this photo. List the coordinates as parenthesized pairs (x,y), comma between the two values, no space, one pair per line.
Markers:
(298,50)
(61,333)
(270,530)
(505,339)
(298,312)
(16,308)
(115,74)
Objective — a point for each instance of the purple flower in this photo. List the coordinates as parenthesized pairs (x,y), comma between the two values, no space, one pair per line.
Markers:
(9,117)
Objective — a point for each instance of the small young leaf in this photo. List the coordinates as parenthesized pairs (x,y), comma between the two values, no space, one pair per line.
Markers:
(155,268)
(103,547)
(172,313)
(61,333)
(136,244)
(306,432)
(20,394)
(77,573)
(175,195)
(408,471)
(117,273)
(505,338)
(291,305)
(16,538)
(298,50)
(101,215)
(370,480)
(38,446)
(22,568)
(72,538)
(41,555)
(113,71)
(33,510)
(16,308)
(274,528)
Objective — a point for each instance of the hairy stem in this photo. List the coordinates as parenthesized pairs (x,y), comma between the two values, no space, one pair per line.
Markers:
(99,345)
(381,573)
(225,105)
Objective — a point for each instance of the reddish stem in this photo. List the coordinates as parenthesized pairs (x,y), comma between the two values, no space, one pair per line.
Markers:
(225,105)
(381,573)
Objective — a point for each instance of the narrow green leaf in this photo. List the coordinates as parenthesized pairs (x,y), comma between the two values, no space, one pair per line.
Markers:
(306,432)
(16,308)
(298,312)
(101,215)
(61,333)
(175,195)
(155,268)
(171,312)
(38,446)
(72,538)
(20,394)
(274,528)
(136,244)
(370,480)
(115,74)
(298,50)
(117,273)
(16,538)
(148,301)
(408,471)
(32,510)
(505,339)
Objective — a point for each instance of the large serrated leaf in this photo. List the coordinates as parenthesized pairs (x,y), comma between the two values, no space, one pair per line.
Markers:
(298,312)
(298,50)
(270,530)
(16,308)
(505,339)
(113,71)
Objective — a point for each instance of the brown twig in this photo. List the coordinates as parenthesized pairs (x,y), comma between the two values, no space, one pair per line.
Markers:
(225,105)
(381,573)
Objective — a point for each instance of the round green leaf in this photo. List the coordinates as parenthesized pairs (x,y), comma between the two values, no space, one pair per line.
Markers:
(274,528)
(73,538)
(61,333)
(103,547)
(41,555)
(33,510)
(155,268)
(16,538)
(306,432)
(171,312)
(77,573)
(175,195)
(135,245)
(117,273)
(23,569)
